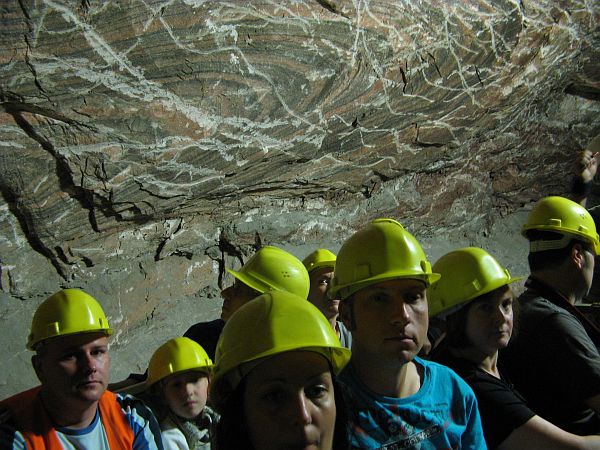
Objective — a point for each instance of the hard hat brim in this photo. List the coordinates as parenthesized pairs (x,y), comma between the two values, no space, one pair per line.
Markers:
(345,291)
(444,312)
(32,345)
(250,282)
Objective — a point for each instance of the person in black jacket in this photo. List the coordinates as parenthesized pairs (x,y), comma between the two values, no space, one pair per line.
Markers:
(554,359)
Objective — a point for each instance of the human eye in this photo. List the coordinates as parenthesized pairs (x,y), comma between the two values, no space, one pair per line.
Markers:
(380,297)
(414,296)
(68,356)
(507,305)
(485,305)
(99,351)
(273,396)
(324,281)
(317,391)
(196,378)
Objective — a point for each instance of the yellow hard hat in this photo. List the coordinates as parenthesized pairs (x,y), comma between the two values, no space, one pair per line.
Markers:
(381,251)
(319,258)
(274,269)
(70,311)
(564,216)
(177,355)
(273,323)
(467,273)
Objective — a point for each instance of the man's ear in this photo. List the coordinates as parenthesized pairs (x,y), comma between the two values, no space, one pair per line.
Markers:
(36,362)
(577,255)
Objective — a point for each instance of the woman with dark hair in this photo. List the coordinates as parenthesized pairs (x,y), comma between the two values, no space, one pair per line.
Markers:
(274,380)
(475,297)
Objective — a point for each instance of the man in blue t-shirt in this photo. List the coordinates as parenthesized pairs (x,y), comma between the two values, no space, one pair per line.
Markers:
(396,400)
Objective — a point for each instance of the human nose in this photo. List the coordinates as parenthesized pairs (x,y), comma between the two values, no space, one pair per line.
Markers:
(188,388)
(399,312)
(299,410)
(500,315)
(88,363)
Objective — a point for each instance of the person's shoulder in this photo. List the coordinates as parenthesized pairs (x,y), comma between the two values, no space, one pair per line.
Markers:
(6,419)
(127,400)
(6,412)
(211,414)
(133,405)
(441,375)
(434,366)
(173,438)
(594,212)
(141,419)
(203,329)
(10,438)
(216,324)
(20,400)
(565,331)
(437,369)
(551,315)
(12,411)
(345,335)
(167,425)
(464,368)
(536,307)
(352,389)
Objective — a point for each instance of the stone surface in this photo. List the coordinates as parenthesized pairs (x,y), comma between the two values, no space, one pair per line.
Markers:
(148,145)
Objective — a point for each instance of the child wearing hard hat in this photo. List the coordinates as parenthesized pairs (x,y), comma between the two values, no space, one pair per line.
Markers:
(395,398)
(178,380)
(275,378)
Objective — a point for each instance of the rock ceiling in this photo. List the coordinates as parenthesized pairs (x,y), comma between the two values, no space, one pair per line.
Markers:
(195,115)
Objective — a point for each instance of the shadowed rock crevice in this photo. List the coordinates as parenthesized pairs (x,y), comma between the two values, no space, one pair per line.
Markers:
(26,222)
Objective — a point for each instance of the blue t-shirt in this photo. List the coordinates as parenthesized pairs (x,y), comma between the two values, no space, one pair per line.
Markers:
(442,415)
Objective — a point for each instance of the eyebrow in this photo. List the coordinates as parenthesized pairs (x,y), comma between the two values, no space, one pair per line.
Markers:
(281,379)
(78,348)
(415,288)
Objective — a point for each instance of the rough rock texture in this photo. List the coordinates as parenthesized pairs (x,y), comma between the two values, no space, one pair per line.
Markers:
(147,145)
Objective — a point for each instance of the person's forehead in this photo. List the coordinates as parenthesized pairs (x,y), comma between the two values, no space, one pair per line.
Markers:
(294,366)
(321,272)
(497,295)
(75,341)
(396,284)
(188,376)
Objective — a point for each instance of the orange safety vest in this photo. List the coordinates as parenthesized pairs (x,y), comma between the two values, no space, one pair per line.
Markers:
(36,427)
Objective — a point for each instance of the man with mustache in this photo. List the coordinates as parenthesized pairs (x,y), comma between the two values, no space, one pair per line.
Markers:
(72,407)
(396,399)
